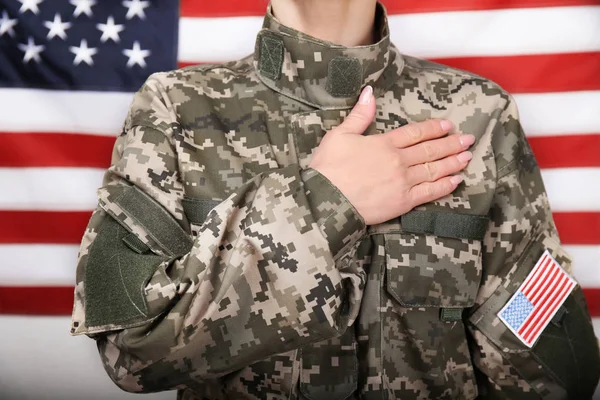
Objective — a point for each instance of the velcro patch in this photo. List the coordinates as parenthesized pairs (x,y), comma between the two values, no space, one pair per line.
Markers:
(537,300)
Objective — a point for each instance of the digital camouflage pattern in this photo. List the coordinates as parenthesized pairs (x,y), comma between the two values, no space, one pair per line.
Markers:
(281,291)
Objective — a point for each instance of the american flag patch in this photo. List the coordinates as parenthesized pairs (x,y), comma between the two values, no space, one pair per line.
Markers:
(540,296)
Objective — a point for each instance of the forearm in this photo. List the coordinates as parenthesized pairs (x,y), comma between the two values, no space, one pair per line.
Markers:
(263,275)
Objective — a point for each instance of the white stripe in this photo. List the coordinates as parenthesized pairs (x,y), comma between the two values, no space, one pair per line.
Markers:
(53,264)
(38,264)
(35,110)
(71,189)
(559,113)
(573,189)
(222,39)
(74,189)
(32,110)
(430,35)
(586,264)
(46,363)
(498,32)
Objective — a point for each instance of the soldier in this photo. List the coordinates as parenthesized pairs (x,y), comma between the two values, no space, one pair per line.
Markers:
(292,226)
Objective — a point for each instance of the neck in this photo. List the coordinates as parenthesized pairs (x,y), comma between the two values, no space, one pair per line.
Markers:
(347,23)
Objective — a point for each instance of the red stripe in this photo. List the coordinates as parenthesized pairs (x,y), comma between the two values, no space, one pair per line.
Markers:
(239,8)
(55,150)
(538,275)
(41,227)
(549,309)
(535,73)
(36,300)
(48,227)
(540,308)
(544,286)
(59,300)
(531,275)
(570,227)
(592,296)
(552,310)
(567,151)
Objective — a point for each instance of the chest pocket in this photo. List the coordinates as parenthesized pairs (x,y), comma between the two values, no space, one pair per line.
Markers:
(435,261)
(432,273)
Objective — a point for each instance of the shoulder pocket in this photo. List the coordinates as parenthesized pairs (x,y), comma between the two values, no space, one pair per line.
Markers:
(135,242)
(565,360)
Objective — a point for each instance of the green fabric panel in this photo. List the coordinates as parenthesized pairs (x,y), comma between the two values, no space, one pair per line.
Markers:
(136,244)
(157,221)
(558,317)
(197,210)
(450,314)
(115,278)
(271,57)
(344,77)
(570,350)
(454,225)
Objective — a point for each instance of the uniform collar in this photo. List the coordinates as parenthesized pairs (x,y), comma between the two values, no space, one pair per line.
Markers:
(321,73)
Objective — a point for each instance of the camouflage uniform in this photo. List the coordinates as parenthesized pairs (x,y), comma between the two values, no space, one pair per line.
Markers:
(219,264)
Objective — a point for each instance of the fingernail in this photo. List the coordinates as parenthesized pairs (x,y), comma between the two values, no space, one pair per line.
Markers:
(466,140)
(447,125)
(465,156)
(365,96)
(456,179)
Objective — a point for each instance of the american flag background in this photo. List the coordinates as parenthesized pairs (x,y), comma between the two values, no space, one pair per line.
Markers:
(69,68)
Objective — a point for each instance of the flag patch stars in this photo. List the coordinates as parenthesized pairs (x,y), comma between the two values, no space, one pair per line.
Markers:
(87,44)
(539,297)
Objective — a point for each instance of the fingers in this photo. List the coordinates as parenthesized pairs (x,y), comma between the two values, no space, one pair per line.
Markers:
(412,134)
(430,191)
(433,150)
(432,171)
(361,115)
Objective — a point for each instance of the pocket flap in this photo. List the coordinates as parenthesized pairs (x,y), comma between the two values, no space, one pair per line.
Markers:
(432,271)
(445,224)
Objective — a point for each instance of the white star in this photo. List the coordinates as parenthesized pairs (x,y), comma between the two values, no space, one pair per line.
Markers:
(7,24)
(32,51)
(136,55)
(29,5)
(83,7)
(57,27)
(135,8)
(83,53)
(110,30)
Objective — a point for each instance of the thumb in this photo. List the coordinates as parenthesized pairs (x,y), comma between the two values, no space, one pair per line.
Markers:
(361,115)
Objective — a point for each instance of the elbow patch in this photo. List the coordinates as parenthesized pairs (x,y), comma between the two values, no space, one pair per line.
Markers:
(116,275)
(121,264)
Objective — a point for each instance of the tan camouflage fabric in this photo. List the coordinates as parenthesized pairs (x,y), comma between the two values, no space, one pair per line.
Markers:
(282,291)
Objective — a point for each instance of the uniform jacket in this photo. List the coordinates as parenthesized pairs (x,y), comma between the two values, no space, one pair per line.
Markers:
(218,263)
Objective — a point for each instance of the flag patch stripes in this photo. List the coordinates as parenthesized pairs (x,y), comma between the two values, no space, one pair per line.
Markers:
(539,297)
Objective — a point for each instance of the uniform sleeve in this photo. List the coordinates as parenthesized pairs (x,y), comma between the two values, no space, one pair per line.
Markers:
(565,361)
(270,269)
